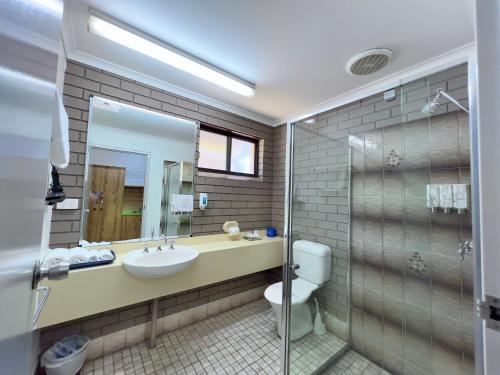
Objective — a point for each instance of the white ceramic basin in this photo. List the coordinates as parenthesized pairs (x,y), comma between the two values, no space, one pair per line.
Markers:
(159,263)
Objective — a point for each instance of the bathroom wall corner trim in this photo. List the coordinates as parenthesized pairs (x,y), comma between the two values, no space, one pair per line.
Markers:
(85,58)
(433,65)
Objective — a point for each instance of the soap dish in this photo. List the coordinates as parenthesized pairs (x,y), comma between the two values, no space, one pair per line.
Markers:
(252,237)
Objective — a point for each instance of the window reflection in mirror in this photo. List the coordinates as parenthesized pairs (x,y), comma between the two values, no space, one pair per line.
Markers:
(138,175)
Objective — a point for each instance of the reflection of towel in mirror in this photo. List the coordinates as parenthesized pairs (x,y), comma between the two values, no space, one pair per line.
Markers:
(181,203)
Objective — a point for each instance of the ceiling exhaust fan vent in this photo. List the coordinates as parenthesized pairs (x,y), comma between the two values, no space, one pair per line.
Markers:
(369,62)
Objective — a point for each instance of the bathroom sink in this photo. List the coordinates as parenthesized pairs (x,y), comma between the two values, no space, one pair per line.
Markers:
(157,263)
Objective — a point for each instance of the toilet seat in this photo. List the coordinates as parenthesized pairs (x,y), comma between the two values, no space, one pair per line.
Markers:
(301,291)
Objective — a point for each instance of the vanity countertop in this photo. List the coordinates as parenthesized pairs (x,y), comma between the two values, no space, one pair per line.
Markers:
(90,291)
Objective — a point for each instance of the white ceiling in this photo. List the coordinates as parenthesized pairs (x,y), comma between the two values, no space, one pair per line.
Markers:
(293,50)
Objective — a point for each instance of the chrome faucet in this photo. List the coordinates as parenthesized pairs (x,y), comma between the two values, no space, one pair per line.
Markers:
(464,248)
(161,239)
(146,250)
(170,243)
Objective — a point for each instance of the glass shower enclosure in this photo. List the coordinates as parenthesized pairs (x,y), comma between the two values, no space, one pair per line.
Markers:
(384,186)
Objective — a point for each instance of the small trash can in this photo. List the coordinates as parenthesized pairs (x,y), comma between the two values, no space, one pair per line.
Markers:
(66,356)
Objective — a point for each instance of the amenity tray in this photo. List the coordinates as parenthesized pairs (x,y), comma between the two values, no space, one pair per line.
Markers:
(93,264)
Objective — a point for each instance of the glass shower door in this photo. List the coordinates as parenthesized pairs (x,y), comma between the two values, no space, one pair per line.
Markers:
(412,300)
(364,182)
(319,248)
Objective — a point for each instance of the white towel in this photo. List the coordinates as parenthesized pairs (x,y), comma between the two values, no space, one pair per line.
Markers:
(432,196)
(93,255)
(105,255)
(446,196)
(181,203)
(78,255)
(59,147)
(461,196)
(56,256)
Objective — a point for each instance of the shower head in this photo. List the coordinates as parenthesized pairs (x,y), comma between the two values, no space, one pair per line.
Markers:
(433,105)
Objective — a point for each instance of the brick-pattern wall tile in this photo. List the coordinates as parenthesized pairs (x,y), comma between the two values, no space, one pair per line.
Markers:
(249,201)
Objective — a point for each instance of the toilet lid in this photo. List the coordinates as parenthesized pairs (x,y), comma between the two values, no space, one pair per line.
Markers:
(301,291)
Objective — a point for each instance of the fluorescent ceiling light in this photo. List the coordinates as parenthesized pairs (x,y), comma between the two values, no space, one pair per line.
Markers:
(168,55)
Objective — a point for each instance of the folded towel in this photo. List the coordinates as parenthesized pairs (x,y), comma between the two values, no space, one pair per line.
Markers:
(93,255)
(105,255)
(56,256)
(78,255)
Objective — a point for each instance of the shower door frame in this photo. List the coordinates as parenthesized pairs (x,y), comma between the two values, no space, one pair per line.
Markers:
(406,76)
(287,253)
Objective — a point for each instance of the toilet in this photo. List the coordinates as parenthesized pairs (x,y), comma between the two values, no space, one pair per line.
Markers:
(314,260)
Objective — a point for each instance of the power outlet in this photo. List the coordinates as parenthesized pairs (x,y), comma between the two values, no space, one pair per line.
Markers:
(68,204)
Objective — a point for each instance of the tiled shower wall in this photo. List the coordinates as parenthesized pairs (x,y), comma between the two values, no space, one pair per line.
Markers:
(412,303)
(249,201)
(409,323)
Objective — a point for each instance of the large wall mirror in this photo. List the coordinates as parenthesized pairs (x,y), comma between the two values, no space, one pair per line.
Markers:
(139,174)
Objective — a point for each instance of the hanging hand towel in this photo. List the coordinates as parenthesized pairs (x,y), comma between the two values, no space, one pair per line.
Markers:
(181,203)
(432,196)
(446,197)
(461,196)
(59,147)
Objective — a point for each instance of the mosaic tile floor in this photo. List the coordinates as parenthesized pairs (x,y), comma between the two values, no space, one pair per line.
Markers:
(239,341)
(353,363)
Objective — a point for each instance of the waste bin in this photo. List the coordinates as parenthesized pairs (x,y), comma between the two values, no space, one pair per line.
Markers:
(66,356)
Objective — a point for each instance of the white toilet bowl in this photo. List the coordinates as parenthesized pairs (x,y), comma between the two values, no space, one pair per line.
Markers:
(301,319)
(314,261)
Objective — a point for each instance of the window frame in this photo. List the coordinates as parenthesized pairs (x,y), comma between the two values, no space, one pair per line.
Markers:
(229,137)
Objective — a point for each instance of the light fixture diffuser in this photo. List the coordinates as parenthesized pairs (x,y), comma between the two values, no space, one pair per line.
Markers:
(167,54)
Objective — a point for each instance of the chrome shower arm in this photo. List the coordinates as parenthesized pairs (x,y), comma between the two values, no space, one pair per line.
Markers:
(451,99)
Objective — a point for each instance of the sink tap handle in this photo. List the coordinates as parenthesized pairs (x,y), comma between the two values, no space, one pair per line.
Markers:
(170,243)
(161,239)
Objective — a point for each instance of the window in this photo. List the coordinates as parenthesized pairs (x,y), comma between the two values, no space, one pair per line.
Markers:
(222,151)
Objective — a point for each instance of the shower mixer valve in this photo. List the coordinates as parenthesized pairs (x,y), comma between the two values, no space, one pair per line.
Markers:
(464,248)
